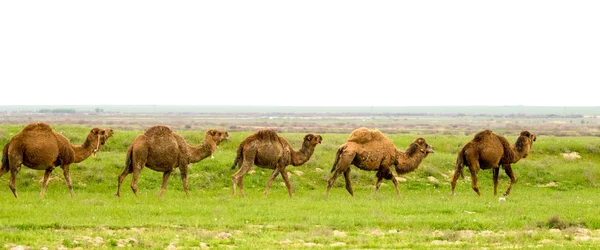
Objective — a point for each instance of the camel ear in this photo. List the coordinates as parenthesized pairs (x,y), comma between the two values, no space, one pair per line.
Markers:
(95,131)
(308,137)
(212,132)
(421,141)
(525,133)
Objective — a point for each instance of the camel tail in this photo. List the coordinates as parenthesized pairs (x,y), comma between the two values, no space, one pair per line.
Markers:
(238,157)
(337,157)
(5,165)
(460,163)
(129,160)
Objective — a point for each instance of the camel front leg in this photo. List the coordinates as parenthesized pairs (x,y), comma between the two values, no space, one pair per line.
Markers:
(286,180)
(396,186)
(513,179)
(45,181)
(67,175)
(496,173)
(183,170)
(270,182)
(164,182)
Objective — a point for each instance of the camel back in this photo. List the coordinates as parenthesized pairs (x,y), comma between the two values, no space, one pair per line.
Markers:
(158,131)
(364,135)
(38,126)
(266,135)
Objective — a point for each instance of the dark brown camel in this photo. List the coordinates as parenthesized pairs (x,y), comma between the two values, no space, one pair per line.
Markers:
(489,150)
(266,149)
(370,150)
(163,150)
(38,147)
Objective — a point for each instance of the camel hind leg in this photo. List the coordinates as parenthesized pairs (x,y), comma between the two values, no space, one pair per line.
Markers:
(348,182)
(128,170)
(474,169)
(13,181)
(343,164)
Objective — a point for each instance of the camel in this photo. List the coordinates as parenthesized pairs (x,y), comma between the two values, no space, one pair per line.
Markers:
(371,150)
(163,150)
(267,149)
(39,147)
(489,150)
(108,132)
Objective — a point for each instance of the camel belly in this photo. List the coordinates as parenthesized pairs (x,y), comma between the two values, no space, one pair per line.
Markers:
(40,158)
(367,161)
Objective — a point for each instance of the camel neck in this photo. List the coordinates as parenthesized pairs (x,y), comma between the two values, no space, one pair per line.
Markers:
(407,164)
(83,151)
(202,151)
(302,156)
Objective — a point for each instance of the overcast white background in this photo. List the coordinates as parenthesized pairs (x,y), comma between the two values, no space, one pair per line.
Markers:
(366,53)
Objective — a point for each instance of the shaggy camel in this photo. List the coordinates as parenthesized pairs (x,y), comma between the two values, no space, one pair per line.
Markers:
(267,149)
(38,147)
(372,151)
(489,150)
(163,150)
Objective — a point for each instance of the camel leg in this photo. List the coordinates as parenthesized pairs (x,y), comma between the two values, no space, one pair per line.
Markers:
(134,180)
(126,171)
(474,179)
(378,183)
(396,186)
(513,179)
(348,183)
(183,170)
(496,173)
(45,181)
(164,182)
(286,180)
(2,171)
(270,182)
(454,179)
(13,181)
(238,178)
(67,175)
(342,166)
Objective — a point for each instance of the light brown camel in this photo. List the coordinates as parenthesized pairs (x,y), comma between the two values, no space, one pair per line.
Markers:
(163,150)
(108,132)
(266,149)
(489,150)
(372,151)
(38,147)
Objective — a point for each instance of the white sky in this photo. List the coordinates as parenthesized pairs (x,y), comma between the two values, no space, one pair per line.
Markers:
(343,53)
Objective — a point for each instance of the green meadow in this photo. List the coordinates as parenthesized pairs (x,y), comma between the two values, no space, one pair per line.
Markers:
(554,203)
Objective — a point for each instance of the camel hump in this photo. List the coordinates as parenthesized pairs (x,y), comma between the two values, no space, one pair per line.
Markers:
(482,135)
(364,135)
(158,131)
(267,134)
(37,126)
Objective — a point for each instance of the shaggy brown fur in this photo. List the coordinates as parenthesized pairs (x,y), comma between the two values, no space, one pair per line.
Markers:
(163,150)
(370,150)
(489,150)
(267,149)
(38,147)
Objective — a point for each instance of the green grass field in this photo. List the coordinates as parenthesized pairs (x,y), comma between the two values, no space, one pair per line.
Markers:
(554,203)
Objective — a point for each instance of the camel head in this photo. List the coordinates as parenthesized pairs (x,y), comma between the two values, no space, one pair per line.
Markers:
(310,140)
(217,135)
(108,132)
(95,137)
(524,142)
(419,146)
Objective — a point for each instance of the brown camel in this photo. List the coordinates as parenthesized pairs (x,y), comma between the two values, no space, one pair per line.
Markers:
(163,150)
(39,147)
(267,149)
(489,150)
(372,151)
(108,132)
